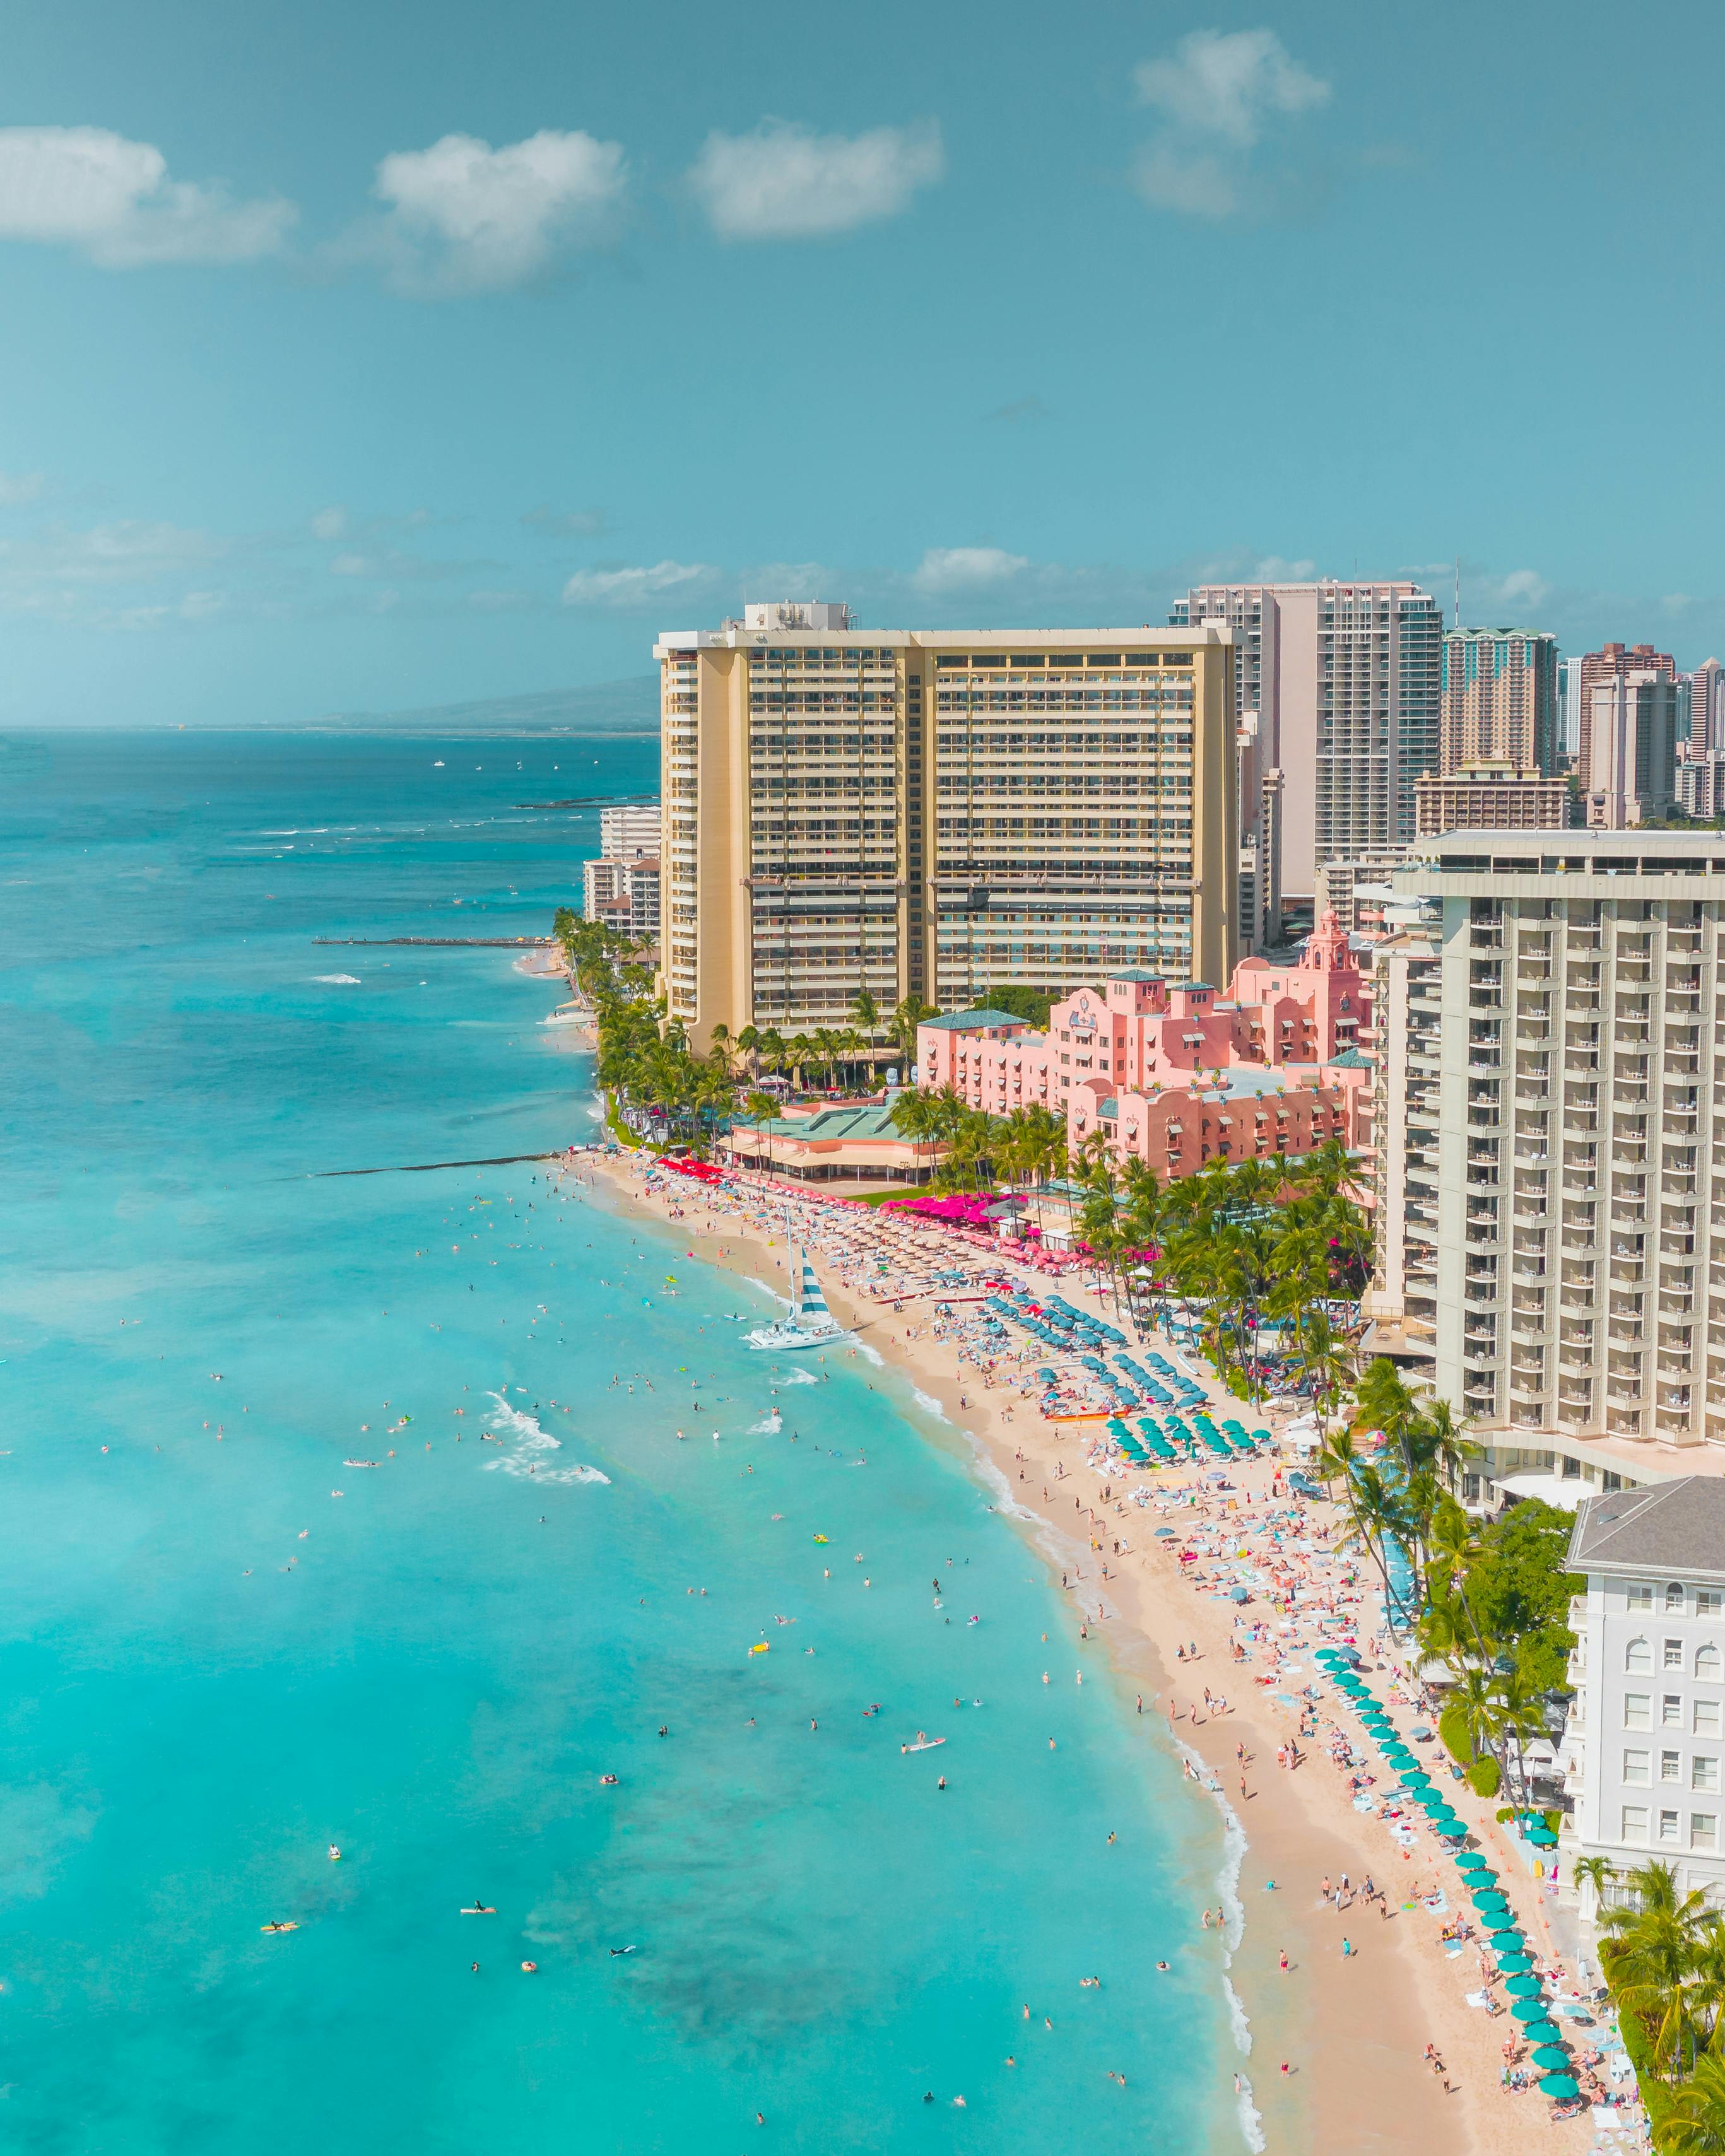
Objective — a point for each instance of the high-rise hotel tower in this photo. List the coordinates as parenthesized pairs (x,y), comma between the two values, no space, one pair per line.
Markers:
(937,813)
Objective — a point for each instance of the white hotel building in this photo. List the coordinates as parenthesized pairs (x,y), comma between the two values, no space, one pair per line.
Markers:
(1643,1750)
(1549,1128)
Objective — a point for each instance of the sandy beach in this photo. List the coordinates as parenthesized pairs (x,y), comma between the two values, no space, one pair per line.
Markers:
(1352,2028)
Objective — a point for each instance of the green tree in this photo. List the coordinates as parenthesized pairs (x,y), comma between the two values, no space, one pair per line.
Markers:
(1520,1593)
(1694,2125)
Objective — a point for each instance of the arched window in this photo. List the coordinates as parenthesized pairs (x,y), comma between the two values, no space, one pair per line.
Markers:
(1706,1663)
(1638,1658)
(1674,1597)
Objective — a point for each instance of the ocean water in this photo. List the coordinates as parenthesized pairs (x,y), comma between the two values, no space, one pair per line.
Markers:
(223,1648)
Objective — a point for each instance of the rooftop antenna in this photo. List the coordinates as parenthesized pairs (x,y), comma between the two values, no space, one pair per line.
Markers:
(1458,591)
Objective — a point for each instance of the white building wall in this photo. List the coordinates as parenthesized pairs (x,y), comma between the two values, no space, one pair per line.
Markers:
(1645,1747)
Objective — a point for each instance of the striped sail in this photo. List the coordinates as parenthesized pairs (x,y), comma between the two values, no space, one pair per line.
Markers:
(812,1311)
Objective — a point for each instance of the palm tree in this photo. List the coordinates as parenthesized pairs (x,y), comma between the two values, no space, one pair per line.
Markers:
(914,1113)
(1647,1951)
(1324,1356)
(1595,1871)
(1695,2123)
(902,1025)
(762,1109)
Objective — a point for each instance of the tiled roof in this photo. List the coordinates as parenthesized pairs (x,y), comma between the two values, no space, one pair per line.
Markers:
(1136,974)
(1350,1060)
(973,1021)
(874,1120)
(1189,988)
(1670,1527)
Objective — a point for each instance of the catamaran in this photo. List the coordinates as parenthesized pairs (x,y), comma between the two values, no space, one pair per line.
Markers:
(811,1323)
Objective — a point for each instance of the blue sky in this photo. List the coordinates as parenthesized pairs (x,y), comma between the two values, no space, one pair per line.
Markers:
(360,358)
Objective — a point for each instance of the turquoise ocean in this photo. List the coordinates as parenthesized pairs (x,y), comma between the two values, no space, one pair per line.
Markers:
(212,1666)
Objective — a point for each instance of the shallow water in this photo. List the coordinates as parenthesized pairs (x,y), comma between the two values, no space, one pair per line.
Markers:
(215,1664)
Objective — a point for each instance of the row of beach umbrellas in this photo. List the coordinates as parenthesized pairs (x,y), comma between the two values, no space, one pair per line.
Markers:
(1490,1905)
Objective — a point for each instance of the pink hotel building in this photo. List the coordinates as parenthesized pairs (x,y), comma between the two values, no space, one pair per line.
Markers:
(1180,1075)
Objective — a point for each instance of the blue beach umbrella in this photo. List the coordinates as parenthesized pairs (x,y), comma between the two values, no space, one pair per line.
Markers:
(1542,2032)
(1561,2086)
(1523,1987)
(1514,1963)
(1528,2009)
(1551,2058)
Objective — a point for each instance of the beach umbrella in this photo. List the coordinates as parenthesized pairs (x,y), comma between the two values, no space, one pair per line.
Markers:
(1562,2086)
(1507,1941)
(1527,2010)
(1541,1837)
(1523,1987)
(1470,1860)
(1487,1898)
(1550,2058)
(1514,1964)
(1541,2032)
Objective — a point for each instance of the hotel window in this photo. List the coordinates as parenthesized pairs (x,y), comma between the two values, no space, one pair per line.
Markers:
(1634,1823)
(1674,1596)
(1706,1662)
(1709,1602)
(1703,1830)
(1673,1654)
(1637,1711)
(1637,1598)
(1707,1718)
(1634,1769)
(1670,1766)
(1638,1658)
(1704,1772)
(1668,1827)
(1671,1710)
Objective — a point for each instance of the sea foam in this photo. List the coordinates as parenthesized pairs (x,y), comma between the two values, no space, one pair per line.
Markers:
(530,1443)
(338,980)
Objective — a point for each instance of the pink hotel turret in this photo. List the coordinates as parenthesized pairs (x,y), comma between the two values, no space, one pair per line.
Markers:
(1177,1076)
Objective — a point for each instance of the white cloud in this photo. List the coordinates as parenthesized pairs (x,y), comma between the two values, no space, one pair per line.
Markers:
(1223,82)
(462,217)
(1218,95)
(111,199)
(786,182)
(331,523)
(634,586)
(963,569)
(17,488)
(1524,588)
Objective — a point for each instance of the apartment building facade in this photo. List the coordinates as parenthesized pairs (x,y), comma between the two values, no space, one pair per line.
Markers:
(1499,701)
(1629,775)
(1548,1117)
(1644,1747)
(1339,690)
(621,887)
(1706,706)
(937,812)
(1610,663)
(1494,796)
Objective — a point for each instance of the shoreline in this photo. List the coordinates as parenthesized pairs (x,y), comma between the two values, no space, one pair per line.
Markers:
(1352,2030)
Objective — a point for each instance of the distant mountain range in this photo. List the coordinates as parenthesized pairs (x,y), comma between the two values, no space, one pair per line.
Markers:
(629,706)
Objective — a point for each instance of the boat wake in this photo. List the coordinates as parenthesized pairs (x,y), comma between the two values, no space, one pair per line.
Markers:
(530,1445)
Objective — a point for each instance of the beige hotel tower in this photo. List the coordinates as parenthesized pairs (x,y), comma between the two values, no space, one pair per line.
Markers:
(936,814)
